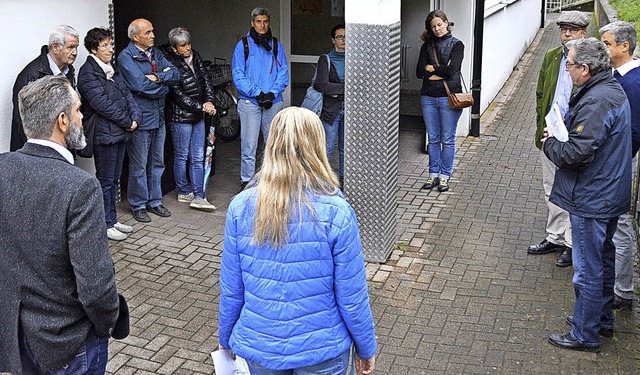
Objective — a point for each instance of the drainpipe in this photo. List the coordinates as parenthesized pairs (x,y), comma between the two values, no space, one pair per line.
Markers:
(476,82)
(543,12)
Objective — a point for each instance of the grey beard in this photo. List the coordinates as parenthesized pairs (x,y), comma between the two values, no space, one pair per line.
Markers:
(75,137)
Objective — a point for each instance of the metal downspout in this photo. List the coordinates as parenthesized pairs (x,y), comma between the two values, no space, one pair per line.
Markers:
(476,82)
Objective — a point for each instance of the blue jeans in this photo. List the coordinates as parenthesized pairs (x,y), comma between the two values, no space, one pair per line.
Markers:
(441,122)
(253,119)
(108,160)
(593,277)
(335,366)
(333,131)
(188,142)
(146,165)
(90,359)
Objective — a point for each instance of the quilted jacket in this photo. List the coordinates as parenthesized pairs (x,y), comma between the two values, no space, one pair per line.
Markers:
(186,96)
(110,100)
(302,304)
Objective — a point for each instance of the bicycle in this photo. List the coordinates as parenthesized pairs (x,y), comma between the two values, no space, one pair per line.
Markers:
(226,120)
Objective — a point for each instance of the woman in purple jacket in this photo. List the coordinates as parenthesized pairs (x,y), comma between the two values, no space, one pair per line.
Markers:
(106,96)
(294,294)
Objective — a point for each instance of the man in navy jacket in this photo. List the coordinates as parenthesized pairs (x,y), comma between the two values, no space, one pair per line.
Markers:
(147,74)
(593,183)
(620,37)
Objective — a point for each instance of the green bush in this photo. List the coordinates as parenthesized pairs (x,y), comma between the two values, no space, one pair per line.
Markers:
(628,10)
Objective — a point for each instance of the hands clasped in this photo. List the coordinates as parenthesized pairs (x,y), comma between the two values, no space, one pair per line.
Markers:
(265,100)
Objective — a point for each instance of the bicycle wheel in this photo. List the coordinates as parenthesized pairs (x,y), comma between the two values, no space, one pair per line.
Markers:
(226,120)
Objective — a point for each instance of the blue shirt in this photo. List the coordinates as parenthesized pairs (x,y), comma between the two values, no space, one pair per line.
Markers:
(563,87)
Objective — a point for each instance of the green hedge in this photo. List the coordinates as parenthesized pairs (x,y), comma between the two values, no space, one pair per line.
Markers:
(628,10)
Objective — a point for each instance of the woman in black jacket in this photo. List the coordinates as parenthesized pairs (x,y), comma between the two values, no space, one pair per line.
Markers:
(188,101)
(106,98)
(439,63)
(330,82)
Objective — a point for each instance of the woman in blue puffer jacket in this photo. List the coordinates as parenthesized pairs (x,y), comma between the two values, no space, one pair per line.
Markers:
(293,288)
(106,96)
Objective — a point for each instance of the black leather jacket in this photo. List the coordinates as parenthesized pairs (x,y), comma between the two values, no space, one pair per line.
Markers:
(186,97)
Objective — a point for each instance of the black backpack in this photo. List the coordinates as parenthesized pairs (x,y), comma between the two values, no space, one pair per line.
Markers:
(245,43)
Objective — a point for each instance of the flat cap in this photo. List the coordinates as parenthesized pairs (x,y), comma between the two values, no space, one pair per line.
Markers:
(573,18)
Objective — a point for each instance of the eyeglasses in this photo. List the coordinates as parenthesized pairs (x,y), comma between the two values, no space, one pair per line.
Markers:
(340,37)
(105,46)
(571,30)
(568,64)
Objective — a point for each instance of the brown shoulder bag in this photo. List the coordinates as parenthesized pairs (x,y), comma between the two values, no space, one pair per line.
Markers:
(456,100)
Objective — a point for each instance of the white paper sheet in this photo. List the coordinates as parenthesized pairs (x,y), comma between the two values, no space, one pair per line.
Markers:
(555,125)
(225,365)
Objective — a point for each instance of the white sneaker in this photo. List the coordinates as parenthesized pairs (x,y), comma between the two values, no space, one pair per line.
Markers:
(115,234)
(202,204)
(185,198)
(123,227)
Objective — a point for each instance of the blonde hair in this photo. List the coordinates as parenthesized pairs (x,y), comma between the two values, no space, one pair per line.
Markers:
(295,164)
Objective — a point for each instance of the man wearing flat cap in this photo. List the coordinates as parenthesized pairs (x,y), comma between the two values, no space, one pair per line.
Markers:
(555,86)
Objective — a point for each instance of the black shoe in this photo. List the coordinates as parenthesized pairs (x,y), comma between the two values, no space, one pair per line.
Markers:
(159,210)
(141,215)
(567,342)
(604,332)
(620,303)
(564,259)
(431,183)
(544,247)
(444,185)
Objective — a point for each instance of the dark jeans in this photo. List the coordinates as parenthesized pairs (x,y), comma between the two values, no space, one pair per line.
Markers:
(90,359)
(146,165)
(108,160)
(332,132)
(593,277)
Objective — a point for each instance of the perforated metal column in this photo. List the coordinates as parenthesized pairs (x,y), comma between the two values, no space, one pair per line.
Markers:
(372,92)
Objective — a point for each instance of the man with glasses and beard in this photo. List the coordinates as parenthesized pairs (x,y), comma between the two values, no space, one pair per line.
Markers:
(60,302)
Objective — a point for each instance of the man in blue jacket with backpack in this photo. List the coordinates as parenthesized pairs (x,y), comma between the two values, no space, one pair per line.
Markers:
(260,74)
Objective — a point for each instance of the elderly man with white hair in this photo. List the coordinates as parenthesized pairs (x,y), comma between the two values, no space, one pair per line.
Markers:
(55,59)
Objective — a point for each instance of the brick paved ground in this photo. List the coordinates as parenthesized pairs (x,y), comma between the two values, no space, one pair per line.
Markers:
(459,295)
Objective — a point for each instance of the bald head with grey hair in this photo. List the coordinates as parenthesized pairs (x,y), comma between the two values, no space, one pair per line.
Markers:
(592,53)
(59,35)
(41,102)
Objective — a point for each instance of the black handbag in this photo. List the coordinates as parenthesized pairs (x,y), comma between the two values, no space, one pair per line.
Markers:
(89,128)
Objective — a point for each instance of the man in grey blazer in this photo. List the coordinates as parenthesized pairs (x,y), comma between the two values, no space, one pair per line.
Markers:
(60,303)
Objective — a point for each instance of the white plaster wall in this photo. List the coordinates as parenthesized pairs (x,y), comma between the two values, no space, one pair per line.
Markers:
(461,14)
(25,26)
(507,35)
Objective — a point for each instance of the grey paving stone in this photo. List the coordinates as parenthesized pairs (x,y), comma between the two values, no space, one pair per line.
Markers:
(460,296)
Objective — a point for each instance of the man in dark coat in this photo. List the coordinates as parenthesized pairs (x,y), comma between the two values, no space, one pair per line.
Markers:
(60,303)
(593,183)
(55,59)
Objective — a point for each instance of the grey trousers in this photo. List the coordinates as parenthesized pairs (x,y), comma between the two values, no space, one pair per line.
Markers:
(626,247)
(558,224)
